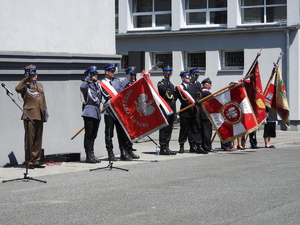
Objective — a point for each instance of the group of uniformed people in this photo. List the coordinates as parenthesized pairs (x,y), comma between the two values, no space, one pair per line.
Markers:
(194,125)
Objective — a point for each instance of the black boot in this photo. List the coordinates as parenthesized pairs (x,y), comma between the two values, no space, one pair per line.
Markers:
(171,152)
(94,157)
(111,155)
(163,150)
(200,150)
(193,147)
(133,156)
(181,149)
(125,156)
(89,157)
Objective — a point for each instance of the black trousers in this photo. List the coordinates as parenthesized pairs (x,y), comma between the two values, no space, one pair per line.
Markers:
(206,134)
(110,123)
(189,124)
(165,133)
(91,127)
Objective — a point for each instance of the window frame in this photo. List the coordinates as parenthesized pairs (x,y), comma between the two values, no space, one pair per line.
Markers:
(187,63)
(223,60)
(153,15)
(155,61)
(264,6)
(207,11)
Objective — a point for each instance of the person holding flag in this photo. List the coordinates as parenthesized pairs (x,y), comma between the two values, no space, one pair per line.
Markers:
(189,117)
(110,87)
(166,91)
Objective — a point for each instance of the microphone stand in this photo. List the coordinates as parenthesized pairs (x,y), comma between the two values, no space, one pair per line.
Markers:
(26,176)
(110,166)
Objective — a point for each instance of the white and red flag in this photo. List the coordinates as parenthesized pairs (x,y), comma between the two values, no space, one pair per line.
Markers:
(137,110)
(230,113)
(160,101)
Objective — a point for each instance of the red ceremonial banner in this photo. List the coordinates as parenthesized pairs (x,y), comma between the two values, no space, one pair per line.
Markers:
(231,114)
(137,111)
(256,95)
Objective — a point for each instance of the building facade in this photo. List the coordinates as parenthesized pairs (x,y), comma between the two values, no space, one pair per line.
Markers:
(219,37)
(63,39)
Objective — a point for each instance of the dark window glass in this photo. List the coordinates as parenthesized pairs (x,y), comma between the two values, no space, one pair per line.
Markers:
(163,20)
(253,15)
(217,3)
(196,18)
(234,59)
(276,14)
(194,4)
(252,2)
(142,5)
(218,17)
(142,21)
(162,5)
(269,2)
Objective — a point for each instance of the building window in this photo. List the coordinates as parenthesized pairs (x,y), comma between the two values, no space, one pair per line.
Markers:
(116,15)
(233,60)
(263,11)
(195,60)
(164,57)
(206,12)
(124,62)
(151,13)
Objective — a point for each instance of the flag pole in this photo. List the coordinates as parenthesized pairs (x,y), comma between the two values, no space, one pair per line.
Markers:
(229,86)
(273,72)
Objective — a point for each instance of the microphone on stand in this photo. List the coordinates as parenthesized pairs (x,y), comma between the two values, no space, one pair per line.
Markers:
(8,91)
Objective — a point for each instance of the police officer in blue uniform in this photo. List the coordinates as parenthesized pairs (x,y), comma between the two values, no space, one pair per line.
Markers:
(166,91)
(91,111)
(109,118)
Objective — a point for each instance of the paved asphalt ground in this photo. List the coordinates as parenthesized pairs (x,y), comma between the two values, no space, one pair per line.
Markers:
(260,186)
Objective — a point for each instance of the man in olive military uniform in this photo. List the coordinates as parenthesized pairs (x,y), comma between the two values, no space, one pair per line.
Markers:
(35,107)
(91,111)
(166,90)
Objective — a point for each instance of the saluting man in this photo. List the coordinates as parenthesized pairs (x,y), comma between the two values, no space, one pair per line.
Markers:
(35,107)
(91,111)
(166,91)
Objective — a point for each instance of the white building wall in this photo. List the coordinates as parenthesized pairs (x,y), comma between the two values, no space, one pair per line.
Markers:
(71,26)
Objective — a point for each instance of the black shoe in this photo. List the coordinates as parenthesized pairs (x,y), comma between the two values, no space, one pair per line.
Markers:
(254,147)
(200,150)
(211,151)
(164,152)
(31,167)
(39,166)
(181,149)
(171,152)
(193,148)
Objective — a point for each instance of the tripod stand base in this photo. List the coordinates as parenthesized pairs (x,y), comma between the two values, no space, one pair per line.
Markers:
(25,179)
(109,166)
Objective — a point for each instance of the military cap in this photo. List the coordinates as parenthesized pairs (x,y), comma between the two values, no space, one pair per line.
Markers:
(167,68)
(110,66)
(131,69)
(30,68)
(206,80)
(194,71)
(92,69)
(184,73)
